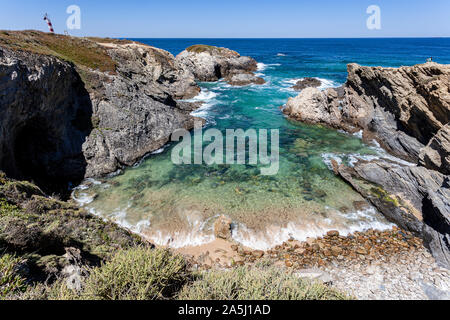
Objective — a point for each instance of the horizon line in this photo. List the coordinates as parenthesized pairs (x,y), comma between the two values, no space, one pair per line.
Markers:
(244,38)
(283,38)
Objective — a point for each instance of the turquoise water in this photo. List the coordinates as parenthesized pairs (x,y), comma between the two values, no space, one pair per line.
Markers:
(177,204)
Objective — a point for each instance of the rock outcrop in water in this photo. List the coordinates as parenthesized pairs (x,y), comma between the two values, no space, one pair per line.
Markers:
(407,111)
(72,108)
(403,109)
(209,63)
(307,83)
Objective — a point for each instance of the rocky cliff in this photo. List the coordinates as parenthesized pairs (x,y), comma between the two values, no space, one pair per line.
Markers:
(407,111)
(72,108)
(209,63)
(401,108)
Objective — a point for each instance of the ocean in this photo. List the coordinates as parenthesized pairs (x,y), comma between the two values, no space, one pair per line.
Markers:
(176,205)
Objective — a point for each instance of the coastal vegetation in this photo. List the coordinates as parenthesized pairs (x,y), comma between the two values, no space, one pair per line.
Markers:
(50,249)
(82,52)
(80,108)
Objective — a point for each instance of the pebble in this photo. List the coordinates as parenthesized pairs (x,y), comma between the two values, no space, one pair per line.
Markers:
(374,265)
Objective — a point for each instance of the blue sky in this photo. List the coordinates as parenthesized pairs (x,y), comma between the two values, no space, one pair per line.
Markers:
(233,18)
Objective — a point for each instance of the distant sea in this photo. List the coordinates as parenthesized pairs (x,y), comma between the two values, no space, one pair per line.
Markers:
(177,205)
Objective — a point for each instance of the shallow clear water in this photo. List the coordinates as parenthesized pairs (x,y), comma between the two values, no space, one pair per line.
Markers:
(177,204)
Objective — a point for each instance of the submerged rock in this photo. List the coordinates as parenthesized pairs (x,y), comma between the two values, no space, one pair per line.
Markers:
(222,228)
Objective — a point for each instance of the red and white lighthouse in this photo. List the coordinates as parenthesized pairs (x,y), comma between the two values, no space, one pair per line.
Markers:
(49,23)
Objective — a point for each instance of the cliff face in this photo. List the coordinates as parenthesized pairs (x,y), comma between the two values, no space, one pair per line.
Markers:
(45,117)
(135,111)
(407,111)
(63,121)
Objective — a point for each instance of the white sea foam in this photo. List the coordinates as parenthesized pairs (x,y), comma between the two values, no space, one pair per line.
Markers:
(204,95)
(274,235)
(161,150)
(198,234)
(281,55)
(262,66)
(209,99)
(82,198)
(353,158)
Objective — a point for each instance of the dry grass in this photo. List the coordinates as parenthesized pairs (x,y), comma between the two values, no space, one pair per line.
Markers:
(266,283)
(10,281)
(135,274)
(80,51)
(149,274)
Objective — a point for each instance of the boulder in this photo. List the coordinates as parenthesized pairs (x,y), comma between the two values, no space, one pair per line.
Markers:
(315,107)
(244,79)
(307,83)
(222,228)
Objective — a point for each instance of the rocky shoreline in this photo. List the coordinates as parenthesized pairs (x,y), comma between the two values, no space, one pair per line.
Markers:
(370,265)
(77,108)
(68,117)
(406,111)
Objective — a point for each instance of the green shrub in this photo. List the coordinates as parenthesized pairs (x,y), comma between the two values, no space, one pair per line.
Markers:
(10,281)
(134,274)
(256,284)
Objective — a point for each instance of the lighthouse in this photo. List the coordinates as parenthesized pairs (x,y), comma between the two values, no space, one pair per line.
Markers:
(49,23)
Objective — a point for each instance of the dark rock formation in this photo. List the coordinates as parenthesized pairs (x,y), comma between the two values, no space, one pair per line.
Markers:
(45,117)
(61,122)
(209,63)
(307,83)
(415,198)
